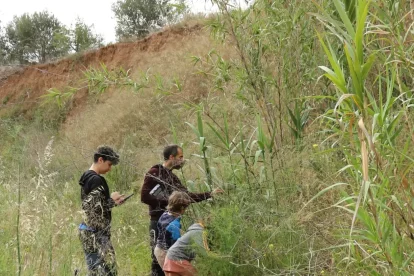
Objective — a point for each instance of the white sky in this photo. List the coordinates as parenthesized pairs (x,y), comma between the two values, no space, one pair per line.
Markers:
(96,12)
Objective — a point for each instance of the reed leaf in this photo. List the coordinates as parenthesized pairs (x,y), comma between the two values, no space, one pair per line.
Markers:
(344,18)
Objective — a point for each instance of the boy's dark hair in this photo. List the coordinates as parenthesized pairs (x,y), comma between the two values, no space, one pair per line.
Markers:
(171,150)
(107,154)
(177,201)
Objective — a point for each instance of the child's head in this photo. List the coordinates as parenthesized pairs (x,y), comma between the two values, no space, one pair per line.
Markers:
(106,154)
(178,202)
(104,158)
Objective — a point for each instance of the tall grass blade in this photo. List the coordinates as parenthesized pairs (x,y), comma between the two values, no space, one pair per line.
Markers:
(362,11)
(344,17)
(356,81)
(323,191)
(19,256)
(200,124)
(218,135)
(368,65)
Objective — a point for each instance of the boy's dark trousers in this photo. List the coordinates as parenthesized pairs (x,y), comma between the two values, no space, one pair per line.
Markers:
(156,269)
(99,253)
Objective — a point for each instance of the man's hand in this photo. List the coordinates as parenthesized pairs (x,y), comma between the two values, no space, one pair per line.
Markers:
(217,191)
(118,198)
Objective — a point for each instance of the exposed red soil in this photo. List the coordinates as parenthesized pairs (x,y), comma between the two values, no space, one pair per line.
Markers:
(6,71)
(25,86)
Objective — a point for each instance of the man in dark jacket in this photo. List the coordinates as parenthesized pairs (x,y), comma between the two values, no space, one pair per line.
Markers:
(159,183)
(95,230)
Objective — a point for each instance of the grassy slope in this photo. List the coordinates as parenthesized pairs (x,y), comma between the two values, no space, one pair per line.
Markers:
(259,226)
(139,125)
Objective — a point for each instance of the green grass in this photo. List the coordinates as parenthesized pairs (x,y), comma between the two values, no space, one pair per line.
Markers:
(310,189)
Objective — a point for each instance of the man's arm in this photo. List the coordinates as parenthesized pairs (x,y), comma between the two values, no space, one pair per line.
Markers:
(195,197)
(150,181)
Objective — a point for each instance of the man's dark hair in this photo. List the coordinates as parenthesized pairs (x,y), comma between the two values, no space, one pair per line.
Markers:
(107,154)
(171,150)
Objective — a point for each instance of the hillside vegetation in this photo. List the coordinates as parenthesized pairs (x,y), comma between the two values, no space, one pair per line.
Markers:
(300,110)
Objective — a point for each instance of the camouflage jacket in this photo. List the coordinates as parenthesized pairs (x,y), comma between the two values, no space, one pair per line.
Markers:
(96,202)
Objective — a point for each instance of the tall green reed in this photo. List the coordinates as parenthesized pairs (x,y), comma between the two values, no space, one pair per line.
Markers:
(368,134)
(271,70)
(19,256)
(199,131)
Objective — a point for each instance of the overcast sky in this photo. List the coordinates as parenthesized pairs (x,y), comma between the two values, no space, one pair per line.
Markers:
(96,12)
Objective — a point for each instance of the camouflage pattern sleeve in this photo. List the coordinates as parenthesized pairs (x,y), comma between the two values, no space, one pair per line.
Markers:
(97,210)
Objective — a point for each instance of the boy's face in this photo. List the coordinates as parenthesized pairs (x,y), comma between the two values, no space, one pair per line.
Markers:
(104,166)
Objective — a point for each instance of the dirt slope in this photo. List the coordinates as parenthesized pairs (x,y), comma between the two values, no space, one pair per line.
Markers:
(6,71)
(26,85)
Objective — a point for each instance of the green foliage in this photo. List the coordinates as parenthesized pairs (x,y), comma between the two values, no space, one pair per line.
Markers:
(3,46)
(298,119)
(199,131)
(367,119)
(40,37)
(99,80)
(5,100)
(271,70)
(350,8)
(59,97)
(37,37)
(137,18)
(280,213)
(124,174)
(353,40)
(82,37)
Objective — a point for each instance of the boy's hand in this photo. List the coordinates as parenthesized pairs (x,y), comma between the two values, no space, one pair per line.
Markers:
(117,197)
(217,191)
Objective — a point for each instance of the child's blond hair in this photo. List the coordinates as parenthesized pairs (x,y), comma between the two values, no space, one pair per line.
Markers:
(177,201)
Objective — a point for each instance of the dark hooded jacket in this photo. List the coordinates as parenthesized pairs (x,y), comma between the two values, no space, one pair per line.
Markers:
(96,202)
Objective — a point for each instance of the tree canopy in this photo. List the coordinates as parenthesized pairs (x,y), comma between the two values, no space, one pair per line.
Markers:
(82,37)
(36,37)
(40,37)
(137,18)
(3,49)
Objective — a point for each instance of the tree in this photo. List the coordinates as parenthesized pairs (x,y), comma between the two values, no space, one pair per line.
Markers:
(3,47)
(36,37)
(82,37)
(137,18)
(18,38)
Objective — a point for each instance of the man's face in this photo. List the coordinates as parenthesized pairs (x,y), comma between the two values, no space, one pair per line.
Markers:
(104,166)
(178,160)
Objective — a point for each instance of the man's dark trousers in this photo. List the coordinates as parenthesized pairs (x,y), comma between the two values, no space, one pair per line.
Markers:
(156,269)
